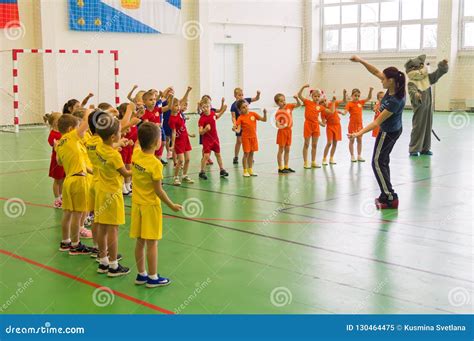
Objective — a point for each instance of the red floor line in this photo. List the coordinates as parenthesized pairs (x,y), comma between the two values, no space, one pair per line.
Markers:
(85,281)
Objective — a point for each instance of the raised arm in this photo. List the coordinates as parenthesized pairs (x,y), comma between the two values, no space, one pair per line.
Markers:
(81,130)
(372,69)
(298,102)
(130,94)
(86,99)
(369,96)
(300,93)
(264,118)
(185,97)
(257,97)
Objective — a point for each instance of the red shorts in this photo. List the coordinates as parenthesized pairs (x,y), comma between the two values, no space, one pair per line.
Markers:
(182,145)
(159,151)
(211,146)
(250,144)
(284,137)
(354,127)
(311,129)
(56,171)
(334,132)
(375,132)
(126,153)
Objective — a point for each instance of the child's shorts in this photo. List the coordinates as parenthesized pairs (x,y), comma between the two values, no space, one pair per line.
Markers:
(284,137)
(109,208)
(146,222)
(126,154)
(182,145)
(354,127)
(311,129)
(75,193)
(334,132)
(250,144)
(211,146)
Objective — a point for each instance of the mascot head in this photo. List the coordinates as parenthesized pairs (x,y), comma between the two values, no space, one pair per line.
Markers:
(416,69)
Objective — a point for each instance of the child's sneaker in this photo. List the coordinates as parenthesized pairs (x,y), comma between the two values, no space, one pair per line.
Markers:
(89,219)
(176,181)
(360,159)
(160,282)
(85,233)
(169,155)
(332,162)
(246,174)
(102,269)
(141,279)
(251,172)
(289,170)
(58,203)
(202,175)
(235,161)
(353,159)
(64,246)
(315,165)
(94,253)
(283,171)
(224,173)
(164,162)
(187,180)
(325,162)
(209,162)
(382,205)
(120,271)
(80,249)
(306,165)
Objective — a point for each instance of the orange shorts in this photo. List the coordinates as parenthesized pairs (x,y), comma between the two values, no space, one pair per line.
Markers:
(284,137)
(311,129)
(354,127)
(334,132)
(249,144)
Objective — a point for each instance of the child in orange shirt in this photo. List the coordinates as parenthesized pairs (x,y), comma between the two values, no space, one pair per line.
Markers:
(380,95)
(311,124)
(354,108)
(333,128)
(284,123)
(247,125)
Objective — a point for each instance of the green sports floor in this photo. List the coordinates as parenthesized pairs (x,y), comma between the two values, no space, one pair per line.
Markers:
(305,243)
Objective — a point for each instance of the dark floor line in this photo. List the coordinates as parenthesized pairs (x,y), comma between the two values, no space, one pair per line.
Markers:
(85,281)
(323,249)
(305,275)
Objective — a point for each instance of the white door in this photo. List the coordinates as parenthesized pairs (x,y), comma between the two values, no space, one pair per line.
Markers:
(226,72)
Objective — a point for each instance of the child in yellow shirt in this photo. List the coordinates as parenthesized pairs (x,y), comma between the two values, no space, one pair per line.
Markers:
(109,211)
(71,157)
(147,215)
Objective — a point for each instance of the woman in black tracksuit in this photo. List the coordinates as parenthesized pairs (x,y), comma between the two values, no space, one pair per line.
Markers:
(390,123)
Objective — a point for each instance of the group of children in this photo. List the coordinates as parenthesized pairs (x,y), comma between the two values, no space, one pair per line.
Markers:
(97,152)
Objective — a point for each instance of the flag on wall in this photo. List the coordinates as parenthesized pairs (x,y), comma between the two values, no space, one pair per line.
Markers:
(138,16)
(9,14)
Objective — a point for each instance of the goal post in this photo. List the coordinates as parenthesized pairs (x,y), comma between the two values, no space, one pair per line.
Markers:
(81,70)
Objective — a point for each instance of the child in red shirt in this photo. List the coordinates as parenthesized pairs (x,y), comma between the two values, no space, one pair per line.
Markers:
(210,139)
(55,171)
(380,95)
(354,108)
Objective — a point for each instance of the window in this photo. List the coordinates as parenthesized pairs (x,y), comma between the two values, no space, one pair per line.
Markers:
(467,22)
(385,25)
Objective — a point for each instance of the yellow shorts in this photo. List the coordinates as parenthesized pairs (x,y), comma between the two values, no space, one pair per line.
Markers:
(147,222)
(109,208)
(74,194)
(91,194)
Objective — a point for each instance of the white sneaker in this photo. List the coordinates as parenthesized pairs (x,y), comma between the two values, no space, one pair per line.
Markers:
(353,159)
(360,159)
(325,162)
(246,175)
(187,179)
(176,181)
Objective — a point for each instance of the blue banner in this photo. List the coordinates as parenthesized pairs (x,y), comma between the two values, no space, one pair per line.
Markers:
(238,327)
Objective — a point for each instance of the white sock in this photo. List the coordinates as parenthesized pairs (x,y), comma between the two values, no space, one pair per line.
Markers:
(155,276)
(144,274)
(113,264)
(104,261)
(74,244)
(67,241)
(124,188)
(128,186)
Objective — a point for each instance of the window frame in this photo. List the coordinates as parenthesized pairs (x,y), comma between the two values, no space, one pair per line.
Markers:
(394,23)
(462,34)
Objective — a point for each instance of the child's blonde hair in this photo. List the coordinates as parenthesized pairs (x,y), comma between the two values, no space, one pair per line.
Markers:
(237,90)
(139,96)
(52,119)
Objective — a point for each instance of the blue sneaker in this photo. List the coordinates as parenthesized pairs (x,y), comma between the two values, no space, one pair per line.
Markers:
(141,279)
(415,154)
(160,282)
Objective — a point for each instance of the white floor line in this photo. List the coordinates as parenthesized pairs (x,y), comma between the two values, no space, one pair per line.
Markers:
(17,161)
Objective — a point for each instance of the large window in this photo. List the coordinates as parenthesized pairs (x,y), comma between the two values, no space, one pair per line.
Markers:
(467,22)
(382,25)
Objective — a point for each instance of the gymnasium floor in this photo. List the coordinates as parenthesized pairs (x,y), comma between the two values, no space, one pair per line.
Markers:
(309,243)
